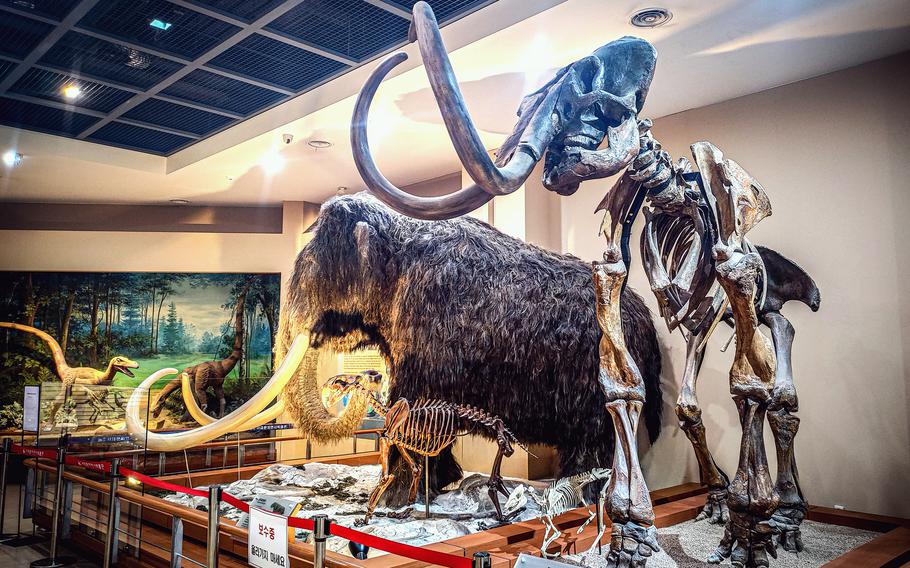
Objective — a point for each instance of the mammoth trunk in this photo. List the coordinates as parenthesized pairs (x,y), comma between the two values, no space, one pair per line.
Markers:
(303,398)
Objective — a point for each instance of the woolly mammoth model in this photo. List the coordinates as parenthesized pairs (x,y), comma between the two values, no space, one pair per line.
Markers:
(461,312)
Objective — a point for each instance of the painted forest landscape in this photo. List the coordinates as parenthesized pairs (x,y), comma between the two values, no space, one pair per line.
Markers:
(157,320)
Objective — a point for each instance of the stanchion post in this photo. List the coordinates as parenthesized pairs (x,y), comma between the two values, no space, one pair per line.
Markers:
(482,560)
(4,469)
(320,534)
(113,517)
(214,514)
(426,485)
(176,542)
(53,561)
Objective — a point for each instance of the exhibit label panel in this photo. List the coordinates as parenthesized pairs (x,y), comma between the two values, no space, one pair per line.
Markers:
(268,541)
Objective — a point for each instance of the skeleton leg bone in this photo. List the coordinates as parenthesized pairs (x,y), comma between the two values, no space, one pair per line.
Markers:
(628,503)
(792,509)
(495,483)
(748,538)
(416,470)
(689,414)
(385,480)
(548,537)
(591,514)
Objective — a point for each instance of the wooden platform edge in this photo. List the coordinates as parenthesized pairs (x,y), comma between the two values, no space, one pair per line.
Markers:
(890,550)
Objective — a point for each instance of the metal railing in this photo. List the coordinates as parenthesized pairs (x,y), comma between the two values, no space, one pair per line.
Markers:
(47,462)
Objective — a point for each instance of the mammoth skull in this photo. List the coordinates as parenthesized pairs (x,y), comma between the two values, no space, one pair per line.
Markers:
(594,99)
(599,97)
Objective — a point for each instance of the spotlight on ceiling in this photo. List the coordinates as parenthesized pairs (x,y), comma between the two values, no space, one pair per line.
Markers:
(651,17)
(341,190)
(272,162)
(160,24)
(72,91)
(179,201)
(11,158)
(319,144)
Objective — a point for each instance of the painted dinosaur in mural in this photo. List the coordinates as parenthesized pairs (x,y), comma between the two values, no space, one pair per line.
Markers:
(210,374)
(70,376)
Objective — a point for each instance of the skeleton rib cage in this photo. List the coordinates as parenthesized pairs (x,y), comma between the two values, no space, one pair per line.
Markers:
(429,426)
(432,425)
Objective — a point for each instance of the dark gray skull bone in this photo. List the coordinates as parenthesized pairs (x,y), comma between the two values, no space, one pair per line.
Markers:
(600,97)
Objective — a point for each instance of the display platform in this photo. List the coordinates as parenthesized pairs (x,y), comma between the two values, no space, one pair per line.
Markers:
(836,538)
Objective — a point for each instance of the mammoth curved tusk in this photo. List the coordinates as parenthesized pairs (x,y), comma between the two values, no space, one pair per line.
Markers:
(470,149)
(247,414)
(428,208)
(199,415)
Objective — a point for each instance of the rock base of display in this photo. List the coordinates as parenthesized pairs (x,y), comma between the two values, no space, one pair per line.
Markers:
(341,492)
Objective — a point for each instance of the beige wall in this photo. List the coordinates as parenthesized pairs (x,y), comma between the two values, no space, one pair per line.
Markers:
(832,154)
(159,251)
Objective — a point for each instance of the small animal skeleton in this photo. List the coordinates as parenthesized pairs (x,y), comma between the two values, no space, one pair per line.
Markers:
(425,428)
(99,400)
(563,495)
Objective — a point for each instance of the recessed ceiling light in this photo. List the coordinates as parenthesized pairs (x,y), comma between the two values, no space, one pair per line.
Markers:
(272,162)
(71,91)
(160,24)
(319,144)
(341,190)
(11,158)
(180,201)
(651,17)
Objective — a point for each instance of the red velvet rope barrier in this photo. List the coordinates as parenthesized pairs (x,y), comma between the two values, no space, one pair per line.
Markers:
(142,478)
(235,502)
(33,452)
(100,467)
(401,549)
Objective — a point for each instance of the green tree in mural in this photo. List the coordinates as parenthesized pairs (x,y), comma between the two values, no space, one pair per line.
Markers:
(171,335)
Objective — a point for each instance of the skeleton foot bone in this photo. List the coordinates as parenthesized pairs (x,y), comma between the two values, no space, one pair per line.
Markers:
(631,545)
(715,510)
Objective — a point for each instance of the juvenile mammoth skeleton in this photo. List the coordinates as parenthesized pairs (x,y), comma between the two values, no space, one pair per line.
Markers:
(695,254)
(424,428)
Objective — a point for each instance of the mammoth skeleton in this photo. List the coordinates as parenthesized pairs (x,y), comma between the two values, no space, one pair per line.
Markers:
(697,259)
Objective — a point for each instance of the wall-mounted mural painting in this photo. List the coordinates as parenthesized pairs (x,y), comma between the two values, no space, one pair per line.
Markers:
(86,330)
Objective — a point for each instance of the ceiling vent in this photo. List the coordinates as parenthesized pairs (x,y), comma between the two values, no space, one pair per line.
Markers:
(651,17)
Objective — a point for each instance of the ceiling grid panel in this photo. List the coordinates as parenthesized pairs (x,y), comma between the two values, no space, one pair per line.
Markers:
(158,75)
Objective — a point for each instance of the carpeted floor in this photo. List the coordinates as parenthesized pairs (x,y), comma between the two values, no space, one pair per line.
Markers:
(687,545)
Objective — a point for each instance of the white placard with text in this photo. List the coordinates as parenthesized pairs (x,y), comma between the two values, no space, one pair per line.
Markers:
(31,404)
(268,540)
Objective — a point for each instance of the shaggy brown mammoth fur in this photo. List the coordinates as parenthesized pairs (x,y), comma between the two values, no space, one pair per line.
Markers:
(463,313)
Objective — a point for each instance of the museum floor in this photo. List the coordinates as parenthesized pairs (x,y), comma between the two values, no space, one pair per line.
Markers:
(686,545)
(25,555)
